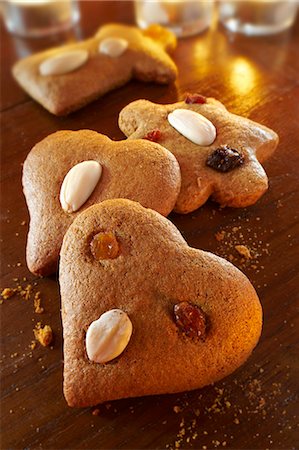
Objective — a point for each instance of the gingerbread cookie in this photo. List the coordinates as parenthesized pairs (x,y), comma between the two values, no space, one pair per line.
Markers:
(143,313)
(64,79)
(219,153)
(70,170)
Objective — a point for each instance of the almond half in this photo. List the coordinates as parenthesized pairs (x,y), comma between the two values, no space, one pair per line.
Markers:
(78,185)
(108,336)
(113,47)
(63,62)
(194,126)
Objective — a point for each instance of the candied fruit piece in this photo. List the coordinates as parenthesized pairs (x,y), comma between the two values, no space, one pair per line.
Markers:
(190,319)
(224,159)
(195,98)
(162,36)
(104,246)
(153,136)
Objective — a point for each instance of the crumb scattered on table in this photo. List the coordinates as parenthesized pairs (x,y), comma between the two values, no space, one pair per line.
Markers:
(32,345)
(37,303)
(8,292)
(224,399)
(220,235)
(243,250)
(43,335)
(177,409)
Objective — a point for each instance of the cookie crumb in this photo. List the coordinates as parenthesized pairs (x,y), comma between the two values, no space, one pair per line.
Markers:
(7,293)
(25,292)
(220,235)
(177,409)
(32,345)
(243,250)
(38,309)
(43,335)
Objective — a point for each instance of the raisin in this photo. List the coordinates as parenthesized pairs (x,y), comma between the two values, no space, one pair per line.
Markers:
(224,159)
(153,136)
(195,98)
(190,319)
(104,246)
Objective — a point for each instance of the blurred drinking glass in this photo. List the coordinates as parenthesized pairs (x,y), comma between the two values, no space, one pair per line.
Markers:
(257,17)
(183,17)
(37,18)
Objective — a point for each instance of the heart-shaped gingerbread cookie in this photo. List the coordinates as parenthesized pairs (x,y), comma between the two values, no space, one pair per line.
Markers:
(71,170)
(219,153)
(143,313)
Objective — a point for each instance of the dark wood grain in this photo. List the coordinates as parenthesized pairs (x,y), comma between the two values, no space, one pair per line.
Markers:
(255,408)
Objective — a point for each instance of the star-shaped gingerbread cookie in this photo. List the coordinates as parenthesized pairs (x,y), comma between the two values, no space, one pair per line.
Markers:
(143,313)
(64,79)
(219,153)
(70,170)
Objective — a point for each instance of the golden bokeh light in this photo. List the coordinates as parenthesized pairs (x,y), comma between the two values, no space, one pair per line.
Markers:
(243,75)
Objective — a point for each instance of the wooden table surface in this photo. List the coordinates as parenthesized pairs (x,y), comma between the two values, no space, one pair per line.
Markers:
(256,407)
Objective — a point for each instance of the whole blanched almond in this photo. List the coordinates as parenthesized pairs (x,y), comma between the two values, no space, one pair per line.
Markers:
(195,127)
(78,185)
(108,336)
(113,47)
(63,62)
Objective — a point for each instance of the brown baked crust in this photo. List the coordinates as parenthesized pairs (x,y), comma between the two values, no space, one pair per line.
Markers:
(155,270)
(240,187)
(139,170)
(145,59)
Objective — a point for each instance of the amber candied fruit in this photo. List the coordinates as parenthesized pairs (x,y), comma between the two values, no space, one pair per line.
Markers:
(104,246)
(162,36)
(195,98)
(190,319)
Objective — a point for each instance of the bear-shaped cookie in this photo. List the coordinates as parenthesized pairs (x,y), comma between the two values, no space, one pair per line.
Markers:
(143,313)
(219,153)
(63,79)
(70,170)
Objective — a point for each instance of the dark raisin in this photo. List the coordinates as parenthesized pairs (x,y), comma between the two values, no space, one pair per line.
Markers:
(195,98)
(153,136)
(224,159)
(190,319)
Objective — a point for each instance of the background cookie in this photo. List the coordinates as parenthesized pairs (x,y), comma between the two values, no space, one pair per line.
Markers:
(139,170)
(87,70)
(240,186)
(152,271)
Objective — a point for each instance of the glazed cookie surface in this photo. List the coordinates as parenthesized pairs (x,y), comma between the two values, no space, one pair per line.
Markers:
(64,79)
(70,170)
(154,315)
(219,152)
